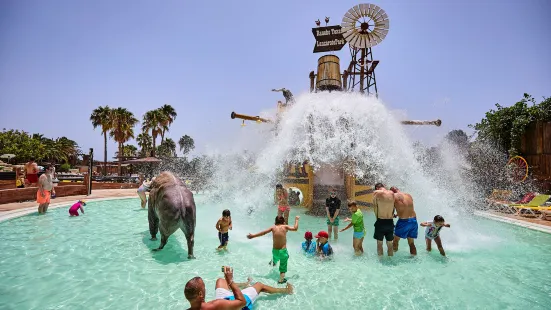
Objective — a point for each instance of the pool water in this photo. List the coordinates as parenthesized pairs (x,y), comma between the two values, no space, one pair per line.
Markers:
(103,260)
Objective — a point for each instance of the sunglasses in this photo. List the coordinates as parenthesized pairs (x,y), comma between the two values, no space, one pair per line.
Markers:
(333,193)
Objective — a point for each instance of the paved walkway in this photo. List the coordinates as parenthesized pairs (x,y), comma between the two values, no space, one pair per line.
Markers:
(531,223)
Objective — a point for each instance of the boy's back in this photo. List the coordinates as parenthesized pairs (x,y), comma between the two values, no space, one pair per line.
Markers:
(279,233)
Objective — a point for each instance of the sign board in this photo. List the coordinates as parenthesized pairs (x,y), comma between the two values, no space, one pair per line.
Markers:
(328,39)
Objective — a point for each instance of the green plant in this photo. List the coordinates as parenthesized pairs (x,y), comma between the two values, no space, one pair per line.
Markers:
(505,126)
(64,168)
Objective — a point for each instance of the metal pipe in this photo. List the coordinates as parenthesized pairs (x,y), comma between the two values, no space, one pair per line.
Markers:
(250,118)
(436,122)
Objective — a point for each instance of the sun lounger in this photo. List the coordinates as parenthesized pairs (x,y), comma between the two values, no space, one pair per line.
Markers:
(533,206)
(506,207)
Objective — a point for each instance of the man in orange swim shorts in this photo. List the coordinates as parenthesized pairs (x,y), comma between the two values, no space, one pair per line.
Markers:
(45,190)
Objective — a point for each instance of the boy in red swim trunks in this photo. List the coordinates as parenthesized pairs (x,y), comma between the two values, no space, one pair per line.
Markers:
(282,202)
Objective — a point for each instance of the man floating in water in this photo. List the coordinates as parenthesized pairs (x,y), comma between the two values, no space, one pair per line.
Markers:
(407,226)
(383,201)
(287,94)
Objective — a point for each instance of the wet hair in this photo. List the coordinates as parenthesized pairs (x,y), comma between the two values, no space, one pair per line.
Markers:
(394,189)
(279,220)
(352,203)
(226,213)
(379,185)
(279,186)
(193,288)
(438,218)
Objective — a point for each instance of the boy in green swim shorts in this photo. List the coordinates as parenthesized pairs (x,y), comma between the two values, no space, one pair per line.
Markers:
(279,251)
(357,221)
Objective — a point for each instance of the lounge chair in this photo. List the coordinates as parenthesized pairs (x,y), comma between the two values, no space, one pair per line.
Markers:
(506,206)
(532,207)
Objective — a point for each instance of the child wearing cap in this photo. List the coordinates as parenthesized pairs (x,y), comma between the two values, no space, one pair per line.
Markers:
(308,246)
(73,210)
(324,249)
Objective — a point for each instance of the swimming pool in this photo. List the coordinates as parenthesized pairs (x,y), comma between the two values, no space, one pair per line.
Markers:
(103,260)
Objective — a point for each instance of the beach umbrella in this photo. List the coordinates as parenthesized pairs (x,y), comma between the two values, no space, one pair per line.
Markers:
(7,156)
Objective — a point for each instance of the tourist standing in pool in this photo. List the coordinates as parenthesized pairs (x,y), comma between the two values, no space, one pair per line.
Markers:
(332,207)
(229,295)
(45,190)
(383,203)
(145,187)
(357,221)
(282,202)
(407,226)
(279,251)
(223,225)
(432,232)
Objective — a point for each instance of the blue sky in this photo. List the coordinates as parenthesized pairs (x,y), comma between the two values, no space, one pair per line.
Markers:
(443,59)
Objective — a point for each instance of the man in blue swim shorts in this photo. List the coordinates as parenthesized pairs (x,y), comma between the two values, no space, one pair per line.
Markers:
(407,226)
(228,293)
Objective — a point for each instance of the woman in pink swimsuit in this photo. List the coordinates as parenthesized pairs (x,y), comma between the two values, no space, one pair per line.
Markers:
(282,202)
(73,210)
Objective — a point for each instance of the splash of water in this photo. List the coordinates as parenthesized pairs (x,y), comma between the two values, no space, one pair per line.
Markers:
(336,128)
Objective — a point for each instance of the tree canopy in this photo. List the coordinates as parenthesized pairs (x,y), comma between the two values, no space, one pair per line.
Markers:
(504,127)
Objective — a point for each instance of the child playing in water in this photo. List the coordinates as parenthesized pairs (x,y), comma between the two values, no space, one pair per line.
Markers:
(324,249)
(73,210)
(357,221)
(282,202)
(432,232)
(223,224)
(308,246)
(279,251)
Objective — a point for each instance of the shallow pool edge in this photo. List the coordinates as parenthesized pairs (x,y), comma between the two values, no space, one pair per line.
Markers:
(525,224)
(8,215)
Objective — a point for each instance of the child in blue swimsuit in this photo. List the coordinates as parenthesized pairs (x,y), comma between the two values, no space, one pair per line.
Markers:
(309,246)
(432,232)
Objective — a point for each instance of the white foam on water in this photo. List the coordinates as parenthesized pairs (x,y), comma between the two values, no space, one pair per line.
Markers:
(327,128)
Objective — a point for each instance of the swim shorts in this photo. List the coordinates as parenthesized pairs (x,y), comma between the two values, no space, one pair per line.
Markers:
(359,234)
(42,200)
(406,228)
(284,208)
(73,212)
(335,222)
(250,294)
(223,237)
(384,228)
(280,255)
(32,178)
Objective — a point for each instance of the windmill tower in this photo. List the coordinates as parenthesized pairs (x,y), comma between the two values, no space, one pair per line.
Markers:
(363,27)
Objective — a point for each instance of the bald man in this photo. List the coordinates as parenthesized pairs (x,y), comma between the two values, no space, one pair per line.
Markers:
(225,299)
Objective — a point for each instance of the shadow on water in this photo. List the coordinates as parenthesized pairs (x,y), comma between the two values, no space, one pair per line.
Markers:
(172,253)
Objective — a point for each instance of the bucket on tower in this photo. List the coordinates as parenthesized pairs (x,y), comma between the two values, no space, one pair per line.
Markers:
(329,76)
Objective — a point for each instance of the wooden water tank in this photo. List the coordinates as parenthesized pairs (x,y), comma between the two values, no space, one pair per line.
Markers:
(329,73)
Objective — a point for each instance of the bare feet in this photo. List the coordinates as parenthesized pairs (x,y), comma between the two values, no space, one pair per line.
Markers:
(289,288)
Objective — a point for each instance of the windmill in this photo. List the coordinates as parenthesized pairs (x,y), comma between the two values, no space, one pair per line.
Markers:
(363,27)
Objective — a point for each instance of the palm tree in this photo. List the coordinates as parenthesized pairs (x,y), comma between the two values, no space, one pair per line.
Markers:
(170,146)
(154,120)
(144,142)
(101,116)
(128,150)
(122,129)
(186,143)
(170,114)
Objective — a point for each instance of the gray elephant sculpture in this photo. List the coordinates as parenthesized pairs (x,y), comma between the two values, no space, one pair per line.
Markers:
(171,206)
